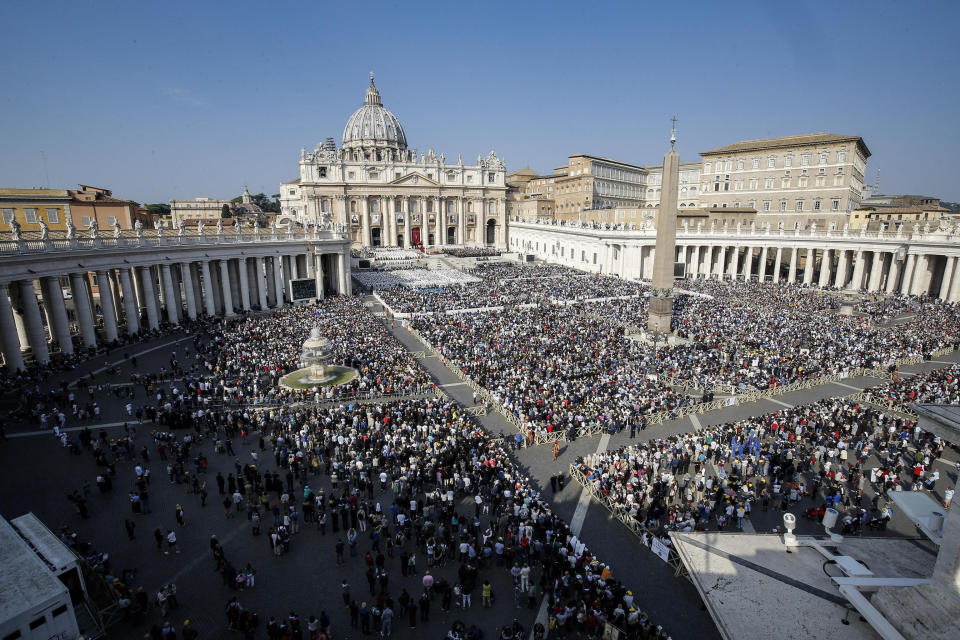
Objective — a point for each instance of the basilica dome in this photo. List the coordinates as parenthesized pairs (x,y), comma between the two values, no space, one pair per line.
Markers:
(373,127)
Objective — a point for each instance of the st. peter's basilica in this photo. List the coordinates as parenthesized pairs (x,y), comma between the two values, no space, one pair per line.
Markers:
(389,195)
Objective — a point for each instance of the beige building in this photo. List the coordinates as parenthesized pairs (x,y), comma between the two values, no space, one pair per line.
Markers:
(190,211)
(29,206)
(96,203)
(798,174)
(892,210)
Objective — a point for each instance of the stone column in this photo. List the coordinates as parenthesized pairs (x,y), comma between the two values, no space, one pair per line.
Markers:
(747,264)
(893,273)
(209,302)
(775,276)
(188,292)
(876,271)
(130,309)
(107,305)
(843,269)
(948,268)
(225,287)
(244,284)
(262,289)
(908,273)
(194,269)
(36,333)
(808,266)
(317,269)
(921,275)
(461,220)
(81,303)
(289,273)
(721,262)
(440,223)
(955,283)
(682,257)
(407,225)
(278,281)
(794,258)
(365,224)
(858,266)
(9,340)
(168,297)
(695,262)
(734,259)
(342,271)
(57,313)
(762,265)
(825,268)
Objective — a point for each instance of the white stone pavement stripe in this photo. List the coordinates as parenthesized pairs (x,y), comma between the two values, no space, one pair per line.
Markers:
(848,386)
(695,421)
(780,402)
(137,354)
(576,524)
(92,427)
(454,384)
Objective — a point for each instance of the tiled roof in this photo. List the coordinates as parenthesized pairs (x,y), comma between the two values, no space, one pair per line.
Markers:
(786,141)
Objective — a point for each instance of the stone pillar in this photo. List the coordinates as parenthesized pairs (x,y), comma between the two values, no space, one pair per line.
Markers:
(858,266)
(81,303)
(682,257)
(461,220)
(948,268)
(278,280)
(187,277)
(244,284)
(289,273)
(808,266)
(776,264)
(36,333)
(893,273)
(825,268)
(343,269)
(734,259)
(661,294)
(56,313)
(921,276)
(407,225)
(130,309)
(225,288)
(876,271)
(908,273)
(365,224)
(9,340)
(762,265)
(695,262)
(747,263)
(262,283)
(317,269)
(107,305)
(197,288)
(439,238)
(209,302)
(955,283)
(721,262)
(843,269)
(168,297)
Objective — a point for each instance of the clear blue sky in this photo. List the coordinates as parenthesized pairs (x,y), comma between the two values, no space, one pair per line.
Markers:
(160,99)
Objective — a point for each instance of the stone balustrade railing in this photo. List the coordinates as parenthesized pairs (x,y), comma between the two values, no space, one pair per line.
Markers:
(31,242)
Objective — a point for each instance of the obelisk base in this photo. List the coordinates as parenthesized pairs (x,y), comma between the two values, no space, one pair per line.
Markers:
(661,311)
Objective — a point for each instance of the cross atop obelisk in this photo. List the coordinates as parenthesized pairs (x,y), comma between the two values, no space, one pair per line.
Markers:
(661,294)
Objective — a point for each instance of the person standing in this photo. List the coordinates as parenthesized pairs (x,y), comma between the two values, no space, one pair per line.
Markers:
(130,526)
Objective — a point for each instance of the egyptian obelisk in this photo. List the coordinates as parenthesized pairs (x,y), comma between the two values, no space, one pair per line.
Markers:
(661,294)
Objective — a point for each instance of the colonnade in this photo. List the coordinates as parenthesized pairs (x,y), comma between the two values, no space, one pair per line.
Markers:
(401,218)
(127,298)
(893,270)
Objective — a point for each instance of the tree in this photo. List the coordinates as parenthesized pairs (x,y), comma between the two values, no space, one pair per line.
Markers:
(159,208)
(225,211)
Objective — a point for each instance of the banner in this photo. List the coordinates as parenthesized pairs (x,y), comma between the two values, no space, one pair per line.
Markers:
(660,549)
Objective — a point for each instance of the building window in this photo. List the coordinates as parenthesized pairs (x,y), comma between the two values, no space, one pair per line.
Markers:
(30,215)
(816,205)
(766,205)
(323,172)
(706,167)
(739,165)
(835,204)
(353,206)
(821,181)
(788,161)
(53,216)
(771,162)
(768,183)
(803,181)
(491,177)
(783,205)
(85,220)
(8,215)
(293,192)
(805,159)
(785,183)
(799,205)
(756,163)
(841,156)
(823,157)
(736,204)
(351,175)
(752,204)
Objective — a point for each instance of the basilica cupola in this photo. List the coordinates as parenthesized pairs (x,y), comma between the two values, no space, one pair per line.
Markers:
(372,132)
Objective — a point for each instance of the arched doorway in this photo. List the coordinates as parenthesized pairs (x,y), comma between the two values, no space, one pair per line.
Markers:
(375,237)
(491,231)
(451,235)
(400,240)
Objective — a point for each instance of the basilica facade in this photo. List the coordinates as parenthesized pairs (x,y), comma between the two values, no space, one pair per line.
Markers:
(386,194)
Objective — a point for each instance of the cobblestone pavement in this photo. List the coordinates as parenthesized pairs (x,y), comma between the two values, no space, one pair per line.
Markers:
(307,580)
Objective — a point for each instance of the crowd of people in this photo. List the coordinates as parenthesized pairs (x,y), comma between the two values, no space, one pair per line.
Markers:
(831,453)
(472,252)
